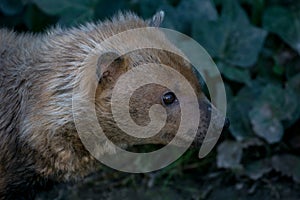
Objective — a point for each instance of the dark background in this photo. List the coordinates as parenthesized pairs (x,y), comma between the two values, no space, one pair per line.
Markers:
(256,46)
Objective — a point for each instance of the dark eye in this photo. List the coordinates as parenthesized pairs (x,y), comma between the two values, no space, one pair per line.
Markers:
(168,98)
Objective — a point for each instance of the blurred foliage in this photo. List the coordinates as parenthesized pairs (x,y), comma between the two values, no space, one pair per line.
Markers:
(256,45)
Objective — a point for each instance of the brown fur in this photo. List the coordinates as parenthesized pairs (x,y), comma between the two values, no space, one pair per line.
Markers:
(38,138)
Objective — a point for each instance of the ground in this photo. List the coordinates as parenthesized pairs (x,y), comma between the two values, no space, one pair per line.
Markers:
(194,181)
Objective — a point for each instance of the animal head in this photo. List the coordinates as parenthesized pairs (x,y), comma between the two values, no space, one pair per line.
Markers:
(114,63)
(87,60)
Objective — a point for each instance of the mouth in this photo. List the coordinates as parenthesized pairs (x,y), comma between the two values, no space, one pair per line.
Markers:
(198,140)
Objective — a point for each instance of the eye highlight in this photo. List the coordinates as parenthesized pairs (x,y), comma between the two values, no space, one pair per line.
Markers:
(168,98)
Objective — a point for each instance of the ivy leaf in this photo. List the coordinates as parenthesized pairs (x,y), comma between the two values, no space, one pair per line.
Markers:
(198,9)
(229,155)
(282,101)
(70,11)
(288,165)
(257,169)
(274,105)
(11,7)
(104,9)
(284,22)
(293,85)
(239,107)
(75,17)
(148,7)
(292,68)
(35,19)
(231,38)
(265,125)
(234,73)
(181,17)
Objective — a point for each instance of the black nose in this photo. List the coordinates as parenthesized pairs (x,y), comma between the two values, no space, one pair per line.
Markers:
(226,123)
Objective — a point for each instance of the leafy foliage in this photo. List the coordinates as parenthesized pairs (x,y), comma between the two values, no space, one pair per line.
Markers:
(286,25)
(229,154)
(230,38)
(256,45)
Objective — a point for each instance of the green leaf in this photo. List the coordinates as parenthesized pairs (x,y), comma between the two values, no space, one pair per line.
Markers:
(292,68)
(282,101)
(291,104)
(105,9)
(229,155)
(265,125)
(211,35)
(76,17)
(285,23)
(149,7)
(233,73)
(70,11)
(181,17)
(238,109)
(274,105)
(36,20)
(203,9)
(231,38)
(54,7)
(11,7)
(288,165)
(293,85)
(229,95)
(257,169)
(252,142)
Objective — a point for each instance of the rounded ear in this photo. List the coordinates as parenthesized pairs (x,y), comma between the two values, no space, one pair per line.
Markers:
(109,64)
(157,19)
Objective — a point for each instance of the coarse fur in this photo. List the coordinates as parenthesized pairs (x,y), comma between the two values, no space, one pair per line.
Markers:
(38,72)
